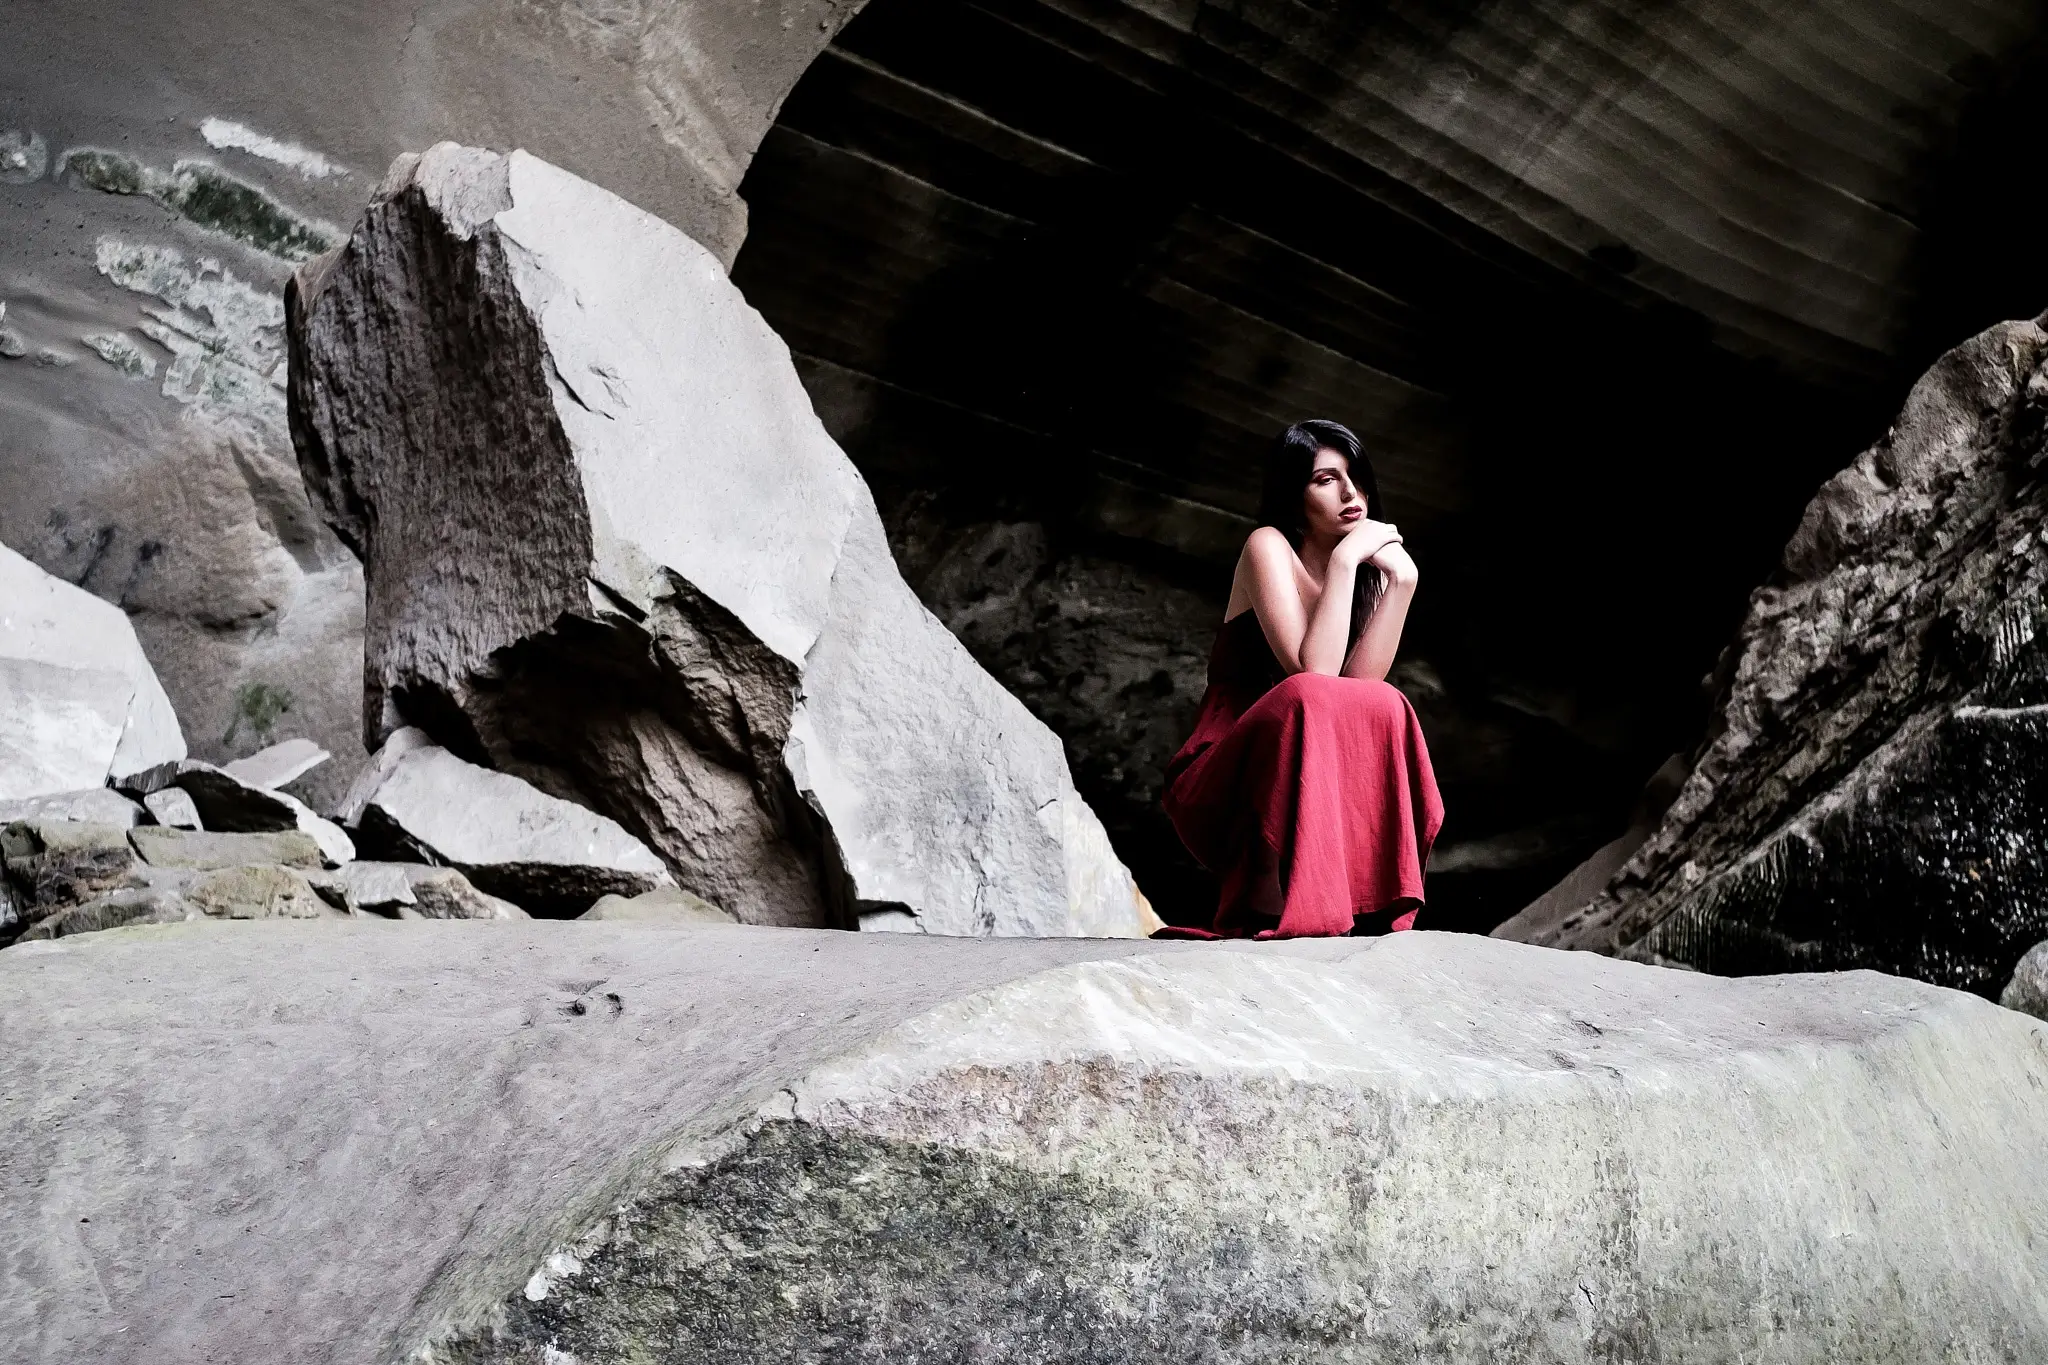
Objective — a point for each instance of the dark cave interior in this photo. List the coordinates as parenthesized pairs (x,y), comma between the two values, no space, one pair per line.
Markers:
(1055,278)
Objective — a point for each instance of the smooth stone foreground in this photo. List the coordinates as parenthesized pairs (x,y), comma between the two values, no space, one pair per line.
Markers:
(345,1141)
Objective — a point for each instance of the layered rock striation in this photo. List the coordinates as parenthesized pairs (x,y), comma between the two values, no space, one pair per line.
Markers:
(532,1142)
(609,549)
(1874,788)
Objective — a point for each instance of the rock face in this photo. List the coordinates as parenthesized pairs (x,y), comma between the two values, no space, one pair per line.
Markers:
(78,701)
(1874,790)
(510,839)
(725,1144)
(610,549)
(2028,989)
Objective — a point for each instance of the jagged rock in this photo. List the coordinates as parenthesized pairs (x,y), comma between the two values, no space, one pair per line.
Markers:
(511,839)
(173,808)
(78,701)
(2028,989)
(94,805)
(608,545)
(257,892)
(228,803)
(116,910)
(414,891)
(208,850)
(733,1145)
(444,893)
(671,905)
(281,763)
(57,864)
(1874,788)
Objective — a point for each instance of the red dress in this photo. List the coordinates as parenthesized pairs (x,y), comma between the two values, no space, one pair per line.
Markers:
(1304,793)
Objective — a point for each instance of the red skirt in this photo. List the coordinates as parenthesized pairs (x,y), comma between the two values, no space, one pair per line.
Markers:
(1317,802)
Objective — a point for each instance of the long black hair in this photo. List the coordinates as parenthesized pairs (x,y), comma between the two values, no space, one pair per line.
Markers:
(1289,462)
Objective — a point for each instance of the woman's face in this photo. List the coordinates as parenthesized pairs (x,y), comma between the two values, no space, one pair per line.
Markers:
(1333,504)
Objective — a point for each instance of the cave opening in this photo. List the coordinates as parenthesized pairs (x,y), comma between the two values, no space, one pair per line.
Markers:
(1056,271)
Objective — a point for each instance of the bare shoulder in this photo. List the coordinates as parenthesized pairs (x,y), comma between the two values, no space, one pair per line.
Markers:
(1267,547)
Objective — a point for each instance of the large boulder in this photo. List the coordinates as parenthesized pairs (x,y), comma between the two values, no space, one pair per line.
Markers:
(1874,787)
(78,701)
(535,1142)
(609,547)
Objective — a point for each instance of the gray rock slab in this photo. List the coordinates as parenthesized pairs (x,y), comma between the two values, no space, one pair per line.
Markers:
(2028,989)
(209,849)
(510,839)
(78,701)
(737,1144)
(737,674)
(672,905)
(93,805)
(271,768)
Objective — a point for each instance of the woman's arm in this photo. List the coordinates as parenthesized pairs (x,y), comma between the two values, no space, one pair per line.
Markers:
(1374,653)
(1304,641)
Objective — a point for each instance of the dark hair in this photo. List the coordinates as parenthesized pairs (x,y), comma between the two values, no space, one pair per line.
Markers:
(1289,462)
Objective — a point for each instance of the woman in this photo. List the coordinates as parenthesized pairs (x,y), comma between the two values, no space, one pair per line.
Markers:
(1306,786)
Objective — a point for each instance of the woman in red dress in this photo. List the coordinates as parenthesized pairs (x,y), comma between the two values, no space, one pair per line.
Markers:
(1306,786)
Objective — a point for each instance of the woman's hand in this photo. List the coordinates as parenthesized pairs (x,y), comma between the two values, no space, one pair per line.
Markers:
(1392,559)
(1365,540)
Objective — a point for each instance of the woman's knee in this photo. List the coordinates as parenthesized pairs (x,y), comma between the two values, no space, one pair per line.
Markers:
(1308,691)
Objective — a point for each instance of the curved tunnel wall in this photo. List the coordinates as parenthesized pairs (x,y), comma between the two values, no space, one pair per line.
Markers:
(1607,288)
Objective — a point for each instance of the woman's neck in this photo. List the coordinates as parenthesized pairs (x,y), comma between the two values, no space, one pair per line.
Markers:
(1315,556)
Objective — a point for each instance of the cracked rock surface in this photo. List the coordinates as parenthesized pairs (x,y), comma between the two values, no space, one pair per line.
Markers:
(531,1142)
(1873,791)
(610,549)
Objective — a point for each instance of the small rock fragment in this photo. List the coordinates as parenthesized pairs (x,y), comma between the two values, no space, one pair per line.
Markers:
(207,850)
(173,808)
(444,893)
(378,887)
(509,838)
(257,892)
(145,905)
(57,864)
(669,905)
(271,768)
